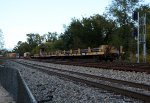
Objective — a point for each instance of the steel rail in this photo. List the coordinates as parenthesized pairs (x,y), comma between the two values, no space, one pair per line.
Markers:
(136,85)
(129,93)
(142,67)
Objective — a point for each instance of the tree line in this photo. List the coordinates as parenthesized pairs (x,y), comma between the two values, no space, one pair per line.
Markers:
(114,27)
(1,40)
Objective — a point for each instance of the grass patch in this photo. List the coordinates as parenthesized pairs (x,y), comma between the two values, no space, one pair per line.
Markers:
(1,62)
(133,58)
(148,59)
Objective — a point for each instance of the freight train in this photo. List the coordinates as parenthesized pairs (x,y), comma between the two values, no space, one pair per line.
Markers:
(103,52)
(12,55)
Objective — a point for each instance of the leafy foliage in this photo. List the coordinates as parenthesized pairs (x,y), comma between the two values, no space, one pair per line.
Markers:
(121,12)
(1,39)
(22,47)
(92,31)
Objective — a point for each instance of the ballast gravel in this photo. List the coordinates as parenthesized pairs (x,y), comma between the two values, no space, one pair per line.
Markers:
(53,89)
(136,77)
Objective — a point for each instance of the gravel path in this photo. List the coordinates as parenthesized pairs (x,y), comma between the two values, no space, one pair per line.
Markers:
(52,89)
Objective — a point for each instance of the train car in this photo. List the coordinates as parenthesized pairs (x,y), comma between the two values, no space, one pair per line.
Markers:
(26,55)
(11,55)
(103,52)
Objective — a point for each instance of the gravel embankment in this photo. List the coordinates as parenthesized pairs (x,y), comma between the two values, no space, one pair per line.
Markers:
(52,89)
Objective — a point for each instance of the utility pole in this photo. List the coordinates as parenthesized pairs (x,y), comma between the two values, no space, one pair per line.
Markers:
(144,39)
(138,42)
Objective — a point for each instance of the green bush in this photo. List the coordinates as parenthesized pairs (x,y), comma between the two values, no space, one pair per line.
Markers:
(148,58)
(1,62)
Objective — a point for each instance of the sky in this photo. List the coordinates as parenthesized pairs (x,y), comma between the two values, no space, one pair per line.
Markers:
(20,17)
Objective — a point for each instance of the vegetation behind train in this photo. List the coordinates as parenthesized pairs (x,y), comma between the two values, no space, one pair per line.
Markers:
(114,28)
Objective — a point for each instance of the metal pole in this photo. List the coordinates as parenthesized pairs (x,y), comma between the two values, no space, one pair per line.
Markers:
(138,42)
(143,37)
(144,45)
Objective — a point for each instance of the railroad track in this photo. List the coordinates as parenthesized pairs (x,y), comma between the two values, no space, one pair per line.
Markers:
(122,66)
(142,67)
(130,89)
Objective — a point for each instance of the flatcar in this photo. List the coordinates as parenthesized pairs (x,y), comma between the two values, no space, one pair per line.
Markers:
(12,55)
(103,52)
